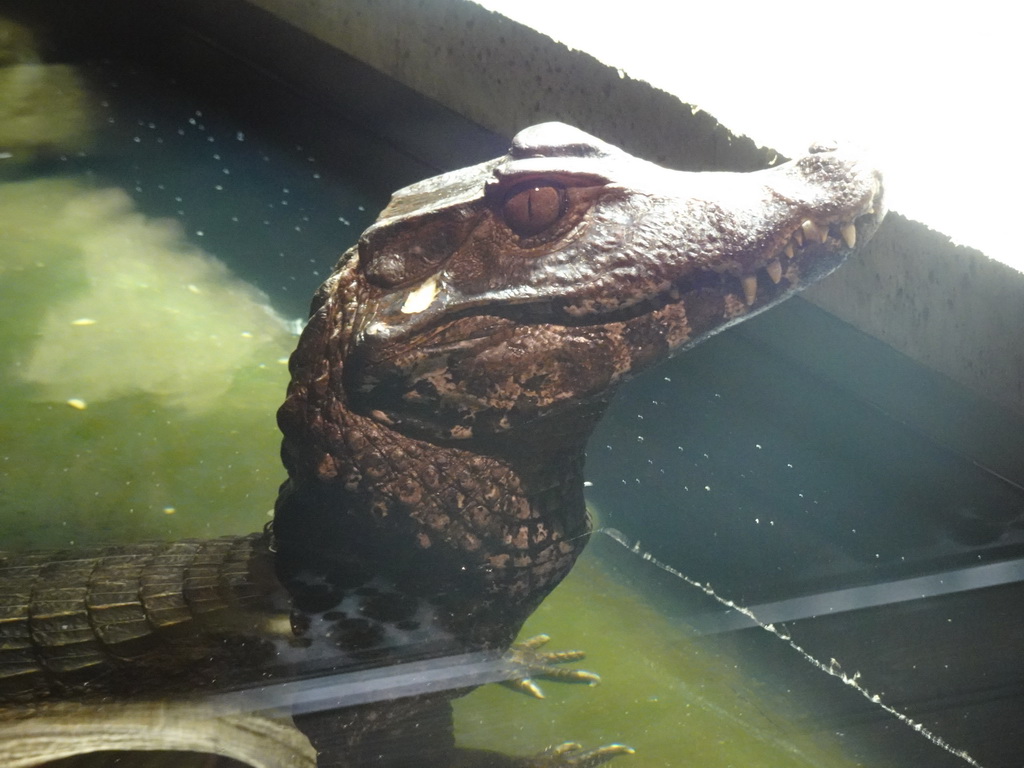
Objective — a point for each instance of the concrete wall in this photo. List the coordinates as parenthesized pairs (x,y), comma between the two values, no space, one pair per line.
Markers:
(947,307)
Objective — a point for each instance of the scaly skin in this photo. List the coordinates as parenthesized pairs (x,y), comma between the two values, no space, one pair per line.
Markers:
(442,393)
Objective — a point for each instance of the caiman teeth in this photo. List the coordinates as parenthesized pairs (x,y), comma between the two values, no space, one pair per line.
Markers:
(813,232)
(774,270)
(849,234)
(749,288)
(789,249)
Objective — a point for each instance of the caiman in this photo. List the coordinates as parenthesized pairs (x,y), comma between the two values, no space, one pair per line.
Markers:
(441,397)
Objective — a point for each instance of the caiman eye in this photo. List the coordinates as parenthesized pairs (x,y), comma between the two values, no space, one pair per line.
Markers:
(532,208)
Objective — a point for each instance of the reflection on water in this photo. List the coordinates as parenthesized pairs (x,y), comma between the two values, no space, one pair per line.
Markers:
(771,474)
(834,491)
(142,364)
(43,107)
(137,246)
(739,616)
(139,288)
(675,699)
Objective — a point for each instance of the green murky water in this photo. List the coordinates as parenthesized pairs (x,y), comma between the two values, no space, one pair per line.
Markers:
(139,375)
(154,254)
(663,692)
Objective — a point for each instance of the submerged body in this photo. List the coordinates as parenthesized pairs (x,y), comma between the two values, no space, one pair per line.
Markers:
(441,397)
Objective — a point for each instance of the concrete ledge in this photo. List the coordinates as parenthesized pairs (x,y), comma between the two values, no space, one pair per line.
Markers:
(949,308)
(505,76)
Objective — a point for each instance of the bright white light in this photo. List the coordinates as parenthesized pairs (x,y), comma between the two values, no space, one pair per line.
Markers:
(931,90)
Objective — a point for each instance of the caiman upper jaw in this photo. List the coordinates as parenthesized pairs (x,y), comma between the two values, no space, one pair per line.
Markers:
(813,244)
(839,237)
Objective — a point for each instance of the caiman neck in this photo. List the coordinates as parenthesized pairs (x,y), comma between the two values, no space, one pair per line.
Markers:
(502,522)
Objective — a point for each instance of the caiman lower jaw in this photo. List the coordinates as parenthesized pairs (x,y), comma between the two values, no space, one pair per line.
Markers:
(798,260)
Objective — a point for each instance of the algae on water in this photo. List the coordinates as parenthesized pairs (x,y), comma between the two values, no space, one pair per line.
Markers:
(43,107)
(139,376)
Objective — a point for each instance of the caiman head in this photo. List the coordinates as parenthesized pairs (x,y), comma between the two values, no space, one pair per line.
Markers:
(456,361)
